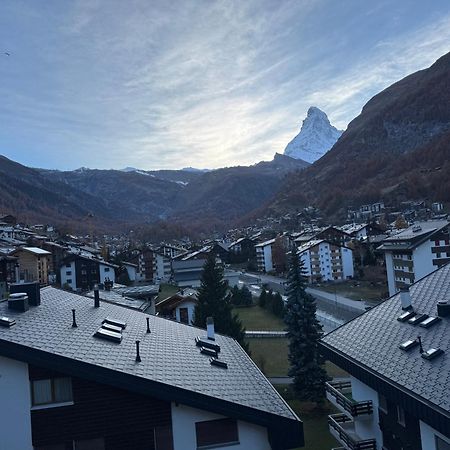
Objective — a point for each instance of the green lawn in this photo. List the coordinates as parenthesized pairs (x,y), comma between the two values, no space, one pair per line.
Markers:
(315,426)
(271,356)
(255,318)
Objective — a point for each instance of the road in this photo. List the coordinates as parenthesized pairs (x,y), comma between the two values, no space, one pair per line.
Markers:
(278,284)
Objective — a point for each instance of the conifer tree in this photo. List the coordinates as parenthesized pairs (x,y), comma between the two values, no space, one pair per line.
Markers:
(213,300)
(262,298)
(304,332)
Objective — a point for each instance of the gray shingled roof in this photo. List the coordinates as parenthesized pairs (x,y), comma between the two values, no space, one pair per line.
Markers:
(372,340)
(169,354)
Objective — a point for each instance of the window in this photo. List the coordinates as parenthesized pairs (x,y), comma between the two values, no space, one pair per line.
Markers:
(51,447)
(69,281)
(382,403)
(216,432)
(56,390)
(441,444)
(106,269)
(401,416)
(68,272)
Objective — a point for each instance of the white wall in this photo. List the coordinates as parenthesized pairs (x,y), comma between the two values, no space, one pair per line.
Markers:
(427,436)
(306,258)
(190,305)
(268,258)
(347,263)
(325,261)
(131,272)
(423,260)
(72,276)
(251,437)
(366,426)
(107,272)
(15,418)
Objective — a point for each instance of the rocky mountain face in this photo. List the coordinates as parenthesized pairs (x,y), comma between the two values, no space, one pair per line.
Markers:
(316,137)
(398,148)
(120,198)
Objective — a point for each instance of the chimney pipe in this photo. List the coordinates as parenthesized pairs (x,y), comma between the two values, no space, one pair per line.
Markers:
(443,308)
(148,325)
(210,328)
(138,356)
(96,296)
(419,339)
(405,298)
(74,322)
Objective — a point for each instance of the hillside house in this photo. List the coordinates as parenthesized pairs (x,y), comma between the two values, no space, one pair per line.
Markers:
(34,263)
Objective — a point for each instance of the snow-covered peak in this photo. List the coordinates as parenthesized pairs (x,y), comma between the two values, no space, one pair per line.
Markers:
(316,137)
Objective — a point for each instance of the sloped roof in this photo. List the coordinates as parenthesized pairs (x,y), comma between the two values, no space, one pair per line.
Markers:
(372,341)
(172,365)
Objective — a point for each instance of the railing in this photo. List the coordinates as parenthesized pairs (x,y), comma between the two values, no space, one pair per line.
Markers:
(355,408)
(336,422)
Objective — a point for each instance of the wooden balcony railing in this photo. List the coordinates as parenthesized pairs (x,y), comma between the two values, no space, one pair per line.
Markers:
(335,388)
(337,422)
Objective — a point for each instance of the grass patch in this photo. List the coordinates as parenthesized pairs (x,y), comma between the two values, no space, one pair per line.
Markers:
(315,425)
(255,318)
(270,355)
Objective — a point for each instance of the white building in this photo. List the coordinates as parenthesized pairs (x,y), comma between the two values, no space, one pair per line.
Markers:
(264,256)
(397,396)
(415,252)
(325,261)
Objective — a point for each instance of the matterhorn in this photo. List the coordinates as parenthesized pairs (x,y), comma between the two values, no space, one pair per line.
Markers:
(316,137)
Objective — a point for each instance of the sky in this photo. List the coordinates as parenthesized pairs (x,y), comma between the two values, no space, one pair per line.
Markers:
(201,83)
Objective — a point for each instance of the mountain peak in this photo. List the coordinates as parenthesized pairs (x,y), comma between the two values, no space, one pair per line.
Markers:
(316,137)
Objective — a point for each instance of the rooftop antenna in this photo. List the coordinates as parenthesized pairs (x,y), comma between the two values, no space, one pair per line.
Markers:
(138,356)
(74,322)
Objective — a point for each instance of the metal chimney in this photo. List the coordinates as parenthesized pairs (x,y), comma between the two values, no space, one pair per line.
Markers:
(96,296)
(18,301)
(210,328)
(405,298)
(138,356)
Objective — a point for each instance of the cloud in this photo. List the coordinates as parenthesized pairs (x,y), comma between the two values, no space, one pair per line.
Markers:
(202,83)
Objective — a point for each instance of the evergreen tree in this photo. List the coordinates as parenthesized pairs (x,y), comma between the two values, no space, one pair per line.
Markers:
(277,305)
(246,296)
(262,298)
(236,296)
(213,300)
(304,332)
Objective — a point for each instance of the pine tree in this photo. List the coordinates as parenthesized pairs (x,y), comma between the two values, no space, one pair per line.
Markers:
(262,298)
(213,300)
(278,305)
(304,332)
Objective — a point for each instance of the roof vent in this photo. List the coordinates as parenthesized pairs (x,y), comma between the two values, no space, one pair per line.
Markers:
(432,353)
(33,290)
(116,322)
(108,335)
(138,356)
(96,296)
(405,316)
(427,323)
(416,228)
(204,343)
(208,351)
(218,363)
(6,322)
(417,319)
(108,326)
(408,344)
(443,309)
(18,302)
(74,320)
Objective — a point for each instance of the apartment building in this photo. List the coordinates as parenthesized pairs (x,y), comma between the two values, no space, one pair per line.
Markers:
(397,355)
(326,261)
(264,256)
(415,252)
(34,264)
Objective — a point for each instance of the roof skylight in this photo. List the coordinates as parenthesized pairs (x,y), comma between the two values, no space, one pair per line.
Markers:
(408,345)
(427,323)
(432,353)
(405,316)
(6,322)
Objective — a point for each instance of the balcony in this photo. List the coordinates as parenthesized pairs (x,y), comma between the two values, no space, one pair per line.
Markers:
(342,428)
(340,394)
